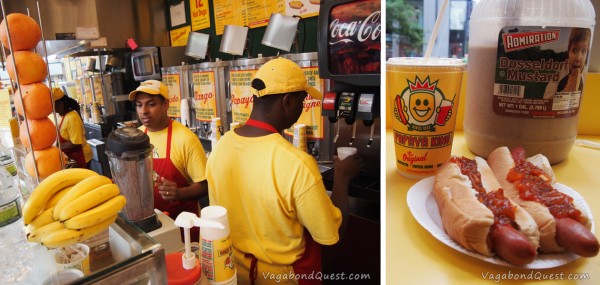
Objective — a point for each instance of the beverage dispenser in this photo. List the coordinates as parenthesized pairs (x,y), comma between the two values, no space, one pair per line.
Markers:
(240,99)
(176,79)
(319,139)
(208,95)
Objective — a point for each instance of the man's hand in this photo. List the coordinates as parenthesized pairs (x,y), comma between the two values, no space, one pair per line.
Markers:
(168,189)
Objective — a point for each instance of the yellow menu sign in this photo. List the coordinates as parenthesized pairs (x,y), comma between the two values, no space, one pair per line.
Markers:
(205,95)
(179,37)
(311,113)
(200,13)
(241,95)
(251,13)
(172,81)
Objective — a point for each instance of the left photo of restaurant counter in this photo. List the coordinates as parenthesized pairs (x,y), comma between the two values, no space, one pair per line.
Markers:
(169,143)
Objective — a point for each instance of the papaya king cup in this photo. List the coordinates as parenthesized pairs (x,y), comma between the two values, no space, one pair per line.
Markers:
(423,96)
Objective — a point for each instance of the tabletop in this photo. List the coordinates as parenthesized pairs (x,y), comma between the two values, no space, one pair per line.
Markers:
(414,256)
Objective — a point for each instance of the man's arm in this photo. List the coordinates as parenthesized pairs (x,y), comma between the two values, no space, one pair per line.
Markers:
(169,191)
(344,171)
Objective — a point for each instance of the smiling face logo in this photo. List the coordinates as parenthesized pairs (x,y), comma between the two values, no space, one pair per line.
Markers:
(418,106)
(421,106)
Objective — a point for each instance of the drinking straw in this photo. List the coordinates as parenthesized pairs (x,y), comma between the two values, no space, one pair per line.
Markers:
(436,28)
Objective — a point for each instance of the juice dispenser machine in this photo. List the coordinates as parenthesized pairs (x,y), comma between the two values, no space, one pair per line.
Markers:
(241,73)
(208,89)
(318,130)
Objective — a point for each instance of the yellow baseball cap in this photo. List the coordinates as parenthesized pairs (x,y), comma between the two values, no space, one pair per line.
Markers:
(152,87)
(57,93)
(280,76)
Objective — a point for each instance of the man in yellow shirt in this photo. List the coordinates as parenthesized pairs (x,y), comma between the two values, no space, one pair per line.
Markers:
(179,158)
(72,133)
(279,212)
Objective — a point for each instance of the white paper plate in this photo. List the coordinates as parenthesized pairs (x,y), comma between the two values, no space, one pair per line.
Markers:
(422,205)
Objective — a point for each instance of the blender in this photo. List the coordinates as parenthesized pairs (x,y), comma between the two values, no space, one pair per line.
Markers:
(130,158)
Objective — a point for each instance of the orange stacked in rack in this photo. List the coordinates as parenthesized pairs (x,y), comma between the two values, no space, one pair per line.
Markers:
(33,99)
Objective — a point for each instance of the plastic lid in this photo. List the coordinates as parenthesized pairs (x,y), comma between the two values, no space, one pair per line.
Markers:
(422,61)
(127,139)
(176,274)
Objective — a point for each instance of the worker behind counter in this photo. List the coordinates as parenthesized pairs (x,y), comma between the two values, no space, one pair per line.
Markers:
(179,159)
(72,132)
(279,212)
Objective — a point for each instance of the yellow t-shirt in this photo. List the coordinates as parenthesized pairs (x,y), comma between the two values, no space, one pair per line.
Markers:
(187,153)
(72,130)
(272,191)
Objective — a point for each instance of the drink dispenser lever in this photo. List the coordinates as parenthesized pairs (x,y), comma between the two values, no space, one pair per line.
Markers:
(368,110)
(353,134)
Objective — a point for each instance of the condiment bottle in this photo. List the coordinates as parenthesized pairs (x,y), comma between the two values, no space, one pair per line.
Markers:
(527,62)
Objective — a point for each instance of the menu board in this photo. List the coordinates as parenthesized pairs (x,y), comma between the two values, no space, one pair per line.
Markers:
(241,95)
(200,14)
(5,111)
(256,13)
(98,91)
(179,37)
(311,113)
(173,83)
(205,101)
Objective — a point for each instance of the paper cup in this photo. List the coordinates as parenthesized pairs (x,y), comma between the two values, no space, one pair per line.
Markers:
(423,96)
(63,277)
(344,152)
(75,256)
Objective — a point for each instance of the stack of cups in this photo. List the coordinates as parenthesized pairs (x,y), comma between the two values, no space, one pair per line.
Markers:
(234,126)
(300,136)
(215,126)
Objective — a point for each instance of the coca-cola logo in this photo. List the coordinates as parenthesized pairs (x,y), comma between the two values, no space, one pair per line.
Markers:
(246,101)
(362,30)
(411,157)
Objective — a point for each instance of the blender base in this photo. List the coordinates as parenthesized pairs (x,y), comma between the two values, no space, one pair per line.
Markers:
(149,224)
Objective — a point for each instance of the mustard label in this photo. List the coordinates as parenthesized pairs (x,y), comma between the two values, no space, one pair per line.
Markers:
(217,259)
(540,72)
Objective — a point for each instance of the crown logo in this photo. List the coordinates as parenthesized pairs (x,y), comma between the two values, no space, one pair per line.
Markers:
(423,86)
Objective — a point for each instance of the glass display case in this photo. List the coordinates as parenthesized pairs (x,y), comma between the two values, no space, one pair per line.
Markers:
(129,257)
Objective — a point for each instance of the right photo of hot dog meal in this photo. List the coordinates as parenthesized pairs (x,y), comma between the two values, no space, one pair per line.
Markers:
(492,142)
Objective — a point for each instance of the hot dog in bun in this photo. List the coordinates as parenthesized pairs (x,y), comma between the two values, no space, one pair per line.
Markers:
(529,183)
(476,214)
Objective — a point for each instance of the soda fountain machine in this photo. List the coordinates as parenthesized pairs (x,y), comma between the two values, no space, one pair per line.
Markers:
(349,57)
(349,51)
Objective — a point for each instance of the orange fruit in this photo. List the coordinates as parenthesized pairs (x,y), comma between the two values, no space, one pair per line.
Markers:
(47,160)
(25,33)
(37,100)
(31,67)
(42,132)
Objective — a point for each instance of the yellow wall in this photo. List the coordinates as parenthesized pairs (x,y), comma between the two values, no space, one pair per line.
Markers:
(589,120)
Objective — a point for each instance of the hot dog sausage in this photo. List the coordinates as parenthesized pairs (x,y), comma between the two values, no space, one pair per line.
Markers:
(511,245)
(575,237)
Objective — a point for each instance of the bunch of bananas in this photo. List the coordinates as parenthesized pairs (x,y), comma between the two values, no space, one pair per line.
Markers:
(70,206)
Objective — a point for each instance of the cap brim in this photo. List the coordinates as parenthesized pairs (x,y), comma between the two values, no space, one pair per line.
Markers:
(134,93)
(313,92)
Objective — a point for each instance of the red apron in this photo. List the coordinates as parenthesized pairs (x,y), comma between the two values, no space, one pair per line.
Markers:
(165,168)
(75,153)
(310,262)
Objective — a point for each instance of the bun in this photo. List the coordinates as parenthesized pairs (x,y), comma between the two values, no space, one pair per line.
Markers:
(467,220)
(501,162)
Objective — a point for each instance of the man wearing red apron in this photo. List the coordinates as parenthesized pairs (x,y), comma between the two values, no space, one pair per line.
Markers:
(278,210)
(72,133)
(179,158)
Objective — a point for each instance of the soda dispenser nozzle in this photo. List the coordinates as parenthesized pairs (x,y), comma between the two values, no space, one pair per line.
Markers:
(337,132)
(353,134)
(371,136)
